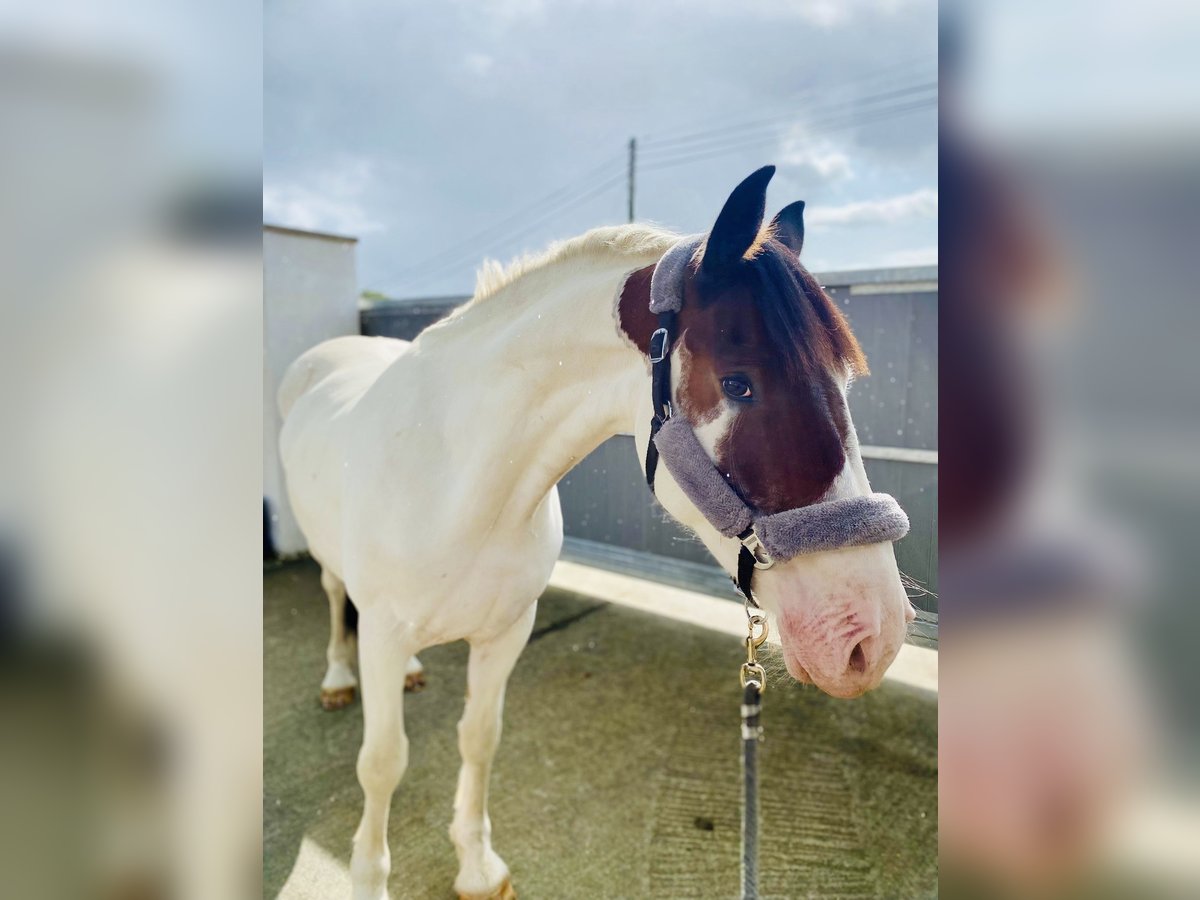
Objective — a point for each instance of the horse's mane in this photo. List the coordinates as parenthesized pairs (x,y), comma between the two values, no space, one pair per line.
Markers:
(805,324)
(627,240)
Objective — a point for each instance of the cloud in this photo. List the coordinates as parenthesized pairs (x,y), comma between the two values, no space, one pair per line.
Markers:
(920,204)
(330,201)
(824,161)
(460,144)
(825,14)
(479,64)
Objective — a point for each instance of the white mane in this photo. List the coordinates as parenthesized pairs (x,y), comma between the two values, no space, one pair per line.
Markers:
(629,240)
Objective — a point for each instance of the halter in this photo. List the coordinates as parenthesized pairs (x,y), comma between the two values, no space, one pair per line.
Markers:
(765,539)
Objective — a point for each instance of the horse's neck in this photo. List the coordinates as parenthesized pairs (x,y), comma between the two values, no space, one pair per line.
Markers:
(551,373)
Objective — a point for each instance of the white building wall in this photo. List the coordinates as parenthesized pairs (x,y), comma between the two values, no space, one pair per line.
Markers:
(310,294)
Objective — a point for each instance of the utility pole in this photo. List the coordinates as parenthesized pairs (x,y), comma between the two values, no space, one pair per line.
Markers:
(632,172)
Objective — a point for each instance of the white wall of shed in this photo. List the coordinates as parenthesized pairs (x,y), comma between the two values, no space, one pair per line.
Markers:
(310,294)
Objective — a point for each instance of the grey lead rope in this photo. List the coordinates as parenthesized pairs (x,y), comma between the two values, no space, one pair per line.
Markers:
(754,681)
(751,735)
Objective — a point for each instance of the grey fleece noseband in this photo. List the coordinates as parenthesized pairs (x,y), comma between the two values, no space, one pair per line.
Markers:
(826,525)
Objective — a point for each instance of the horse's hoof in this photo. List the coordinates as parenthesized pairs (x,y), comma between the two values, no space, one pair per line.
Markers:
(336,698)
(504,892)
(414,682)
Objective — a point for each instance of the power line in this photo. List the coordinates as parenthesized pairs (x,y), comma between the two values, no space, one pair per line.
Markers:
(668,145)
(880,116)
(486,233)
(825,126)
(892,70)
(813,129)
(665,152)
(480,251)
(833,125)
(473,256)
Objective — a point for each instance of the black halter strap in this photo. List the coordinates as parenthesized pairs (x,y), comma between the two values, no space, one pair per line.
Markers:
(660,387)
(660,393)
(745,574)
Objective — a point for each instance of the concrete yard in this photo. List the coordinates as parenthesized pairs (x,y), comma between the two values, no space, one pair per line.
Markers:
(618,774)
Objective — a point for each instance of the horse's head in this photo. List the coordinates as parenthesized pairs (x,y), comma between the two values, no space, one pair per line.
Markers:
(761,361)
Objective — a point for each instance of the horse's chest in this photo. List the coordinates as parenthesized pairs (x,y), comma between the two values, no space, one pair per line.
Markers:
(452,582)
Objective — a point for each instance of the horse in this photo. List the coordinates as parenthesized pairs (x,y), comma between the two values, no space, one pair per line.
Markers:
(424,474)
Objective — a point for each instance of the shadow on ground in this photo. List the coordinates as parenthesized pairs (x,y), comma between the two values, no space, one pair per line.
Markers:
(618,773)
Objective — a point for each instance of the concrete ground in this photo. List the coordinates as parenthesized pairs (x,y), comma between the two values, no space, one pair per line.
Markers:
(618,775)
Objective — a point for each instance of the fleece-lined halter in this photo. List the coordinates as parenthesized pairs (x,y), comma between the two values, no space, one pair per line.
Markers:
(765,539)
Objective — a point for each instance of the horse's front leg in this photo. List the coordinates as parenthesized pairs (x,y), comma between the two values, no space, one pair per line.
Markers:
(482,873)
(384,652)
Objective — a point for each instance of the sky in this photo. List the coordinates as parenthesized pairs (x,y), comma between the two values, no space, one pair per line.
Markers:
(441,134)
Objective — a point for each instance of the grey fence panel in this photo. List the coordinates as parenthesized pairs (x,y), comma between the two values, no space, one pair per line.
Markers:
(922,400)
(896,405)
(605,500)
(915,486)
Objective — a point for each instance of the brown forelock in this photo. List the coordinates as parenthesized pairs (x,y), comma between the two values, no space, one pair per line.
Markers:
(786,447)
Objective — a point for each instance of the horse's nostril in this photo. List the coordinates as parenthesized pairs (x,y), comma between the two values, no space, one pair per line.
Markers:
(858,659)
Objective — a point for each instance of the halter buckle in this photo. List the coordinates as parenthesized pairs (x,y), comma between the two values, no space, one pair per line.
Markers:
(762,559)
(664,342)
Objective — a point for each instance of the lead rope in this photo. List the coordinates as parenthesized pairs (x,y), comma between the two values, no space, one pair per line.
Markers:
(754,681)
(752,676)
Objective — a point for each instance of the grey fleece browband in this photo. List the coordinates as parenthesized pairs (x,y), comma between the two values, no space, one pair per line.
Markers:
(826,525)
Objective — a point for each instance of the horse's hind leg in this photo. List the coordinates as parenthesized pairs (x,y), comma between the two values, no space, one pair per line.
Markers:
(383,656)
(481,873)
(414,675)
(337,688)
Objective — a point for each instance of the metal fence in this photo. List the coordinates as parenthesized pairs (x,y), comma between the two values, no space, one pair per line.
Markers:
(610,518)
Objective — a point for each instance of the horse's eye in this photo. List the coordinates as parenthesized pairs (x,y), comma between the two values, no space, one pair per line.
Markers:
(737,387)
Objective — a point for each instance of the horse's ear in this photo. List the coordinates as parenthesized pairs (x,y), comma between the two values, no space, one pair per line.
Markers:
(737,225)
(788,226)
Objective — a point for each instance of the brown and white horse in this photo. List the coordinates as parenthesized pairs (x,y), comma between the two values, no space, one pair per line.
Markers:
(424,474)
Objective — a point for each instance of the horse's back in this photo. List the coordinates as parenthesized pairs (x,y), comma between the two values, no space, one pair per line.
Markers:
(316,392)
(336,355)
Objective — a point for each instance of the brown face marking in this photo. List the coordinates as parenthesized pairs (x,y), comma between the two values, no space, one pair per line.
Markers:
(787,445)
